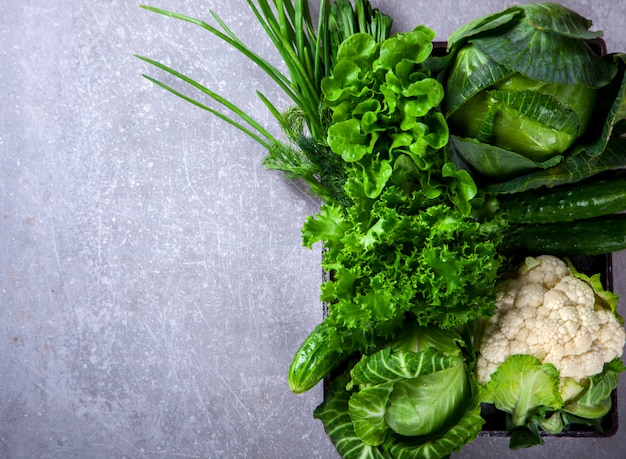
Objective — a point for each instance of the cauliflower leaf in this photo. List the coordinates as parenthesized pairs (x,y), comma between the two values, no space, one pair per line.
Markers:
(523,385)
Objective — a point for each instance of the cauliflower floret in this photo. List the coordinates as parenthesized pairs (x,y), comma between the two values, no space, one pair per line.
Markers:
(569,322)
(519,346)
(548,271)
(548,312)
(511,323)
(484,369)
(577,290)
(530,296)
(506,297)
(611,335)
(495,346)
(572,366)
(554,300)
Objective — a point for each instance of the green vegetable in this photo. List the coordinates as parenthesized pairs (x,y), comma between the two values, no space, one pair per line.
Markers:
(534,119)
(566,203)
(595,236)
(345,21)
(403,253)
(382,103)
(413,398)
(535,398)
(521,92)
(575,167)
(324,350)
(596,400)
(522,386)
(408,235)
(551,354)
(316,358)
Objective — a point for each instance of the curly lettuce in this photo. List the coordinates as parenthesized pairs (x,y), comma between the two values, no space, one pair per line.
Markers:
(383,103)
(404,253)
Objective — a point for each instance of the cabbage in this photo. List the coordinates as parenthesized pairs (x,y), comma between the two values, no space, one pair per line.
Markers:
(413,398)
(529,102)
(535,119)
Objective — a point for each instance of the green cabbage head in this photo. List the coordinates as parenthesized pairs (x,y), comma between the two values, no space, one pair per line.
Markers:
(413,398)
(521,88)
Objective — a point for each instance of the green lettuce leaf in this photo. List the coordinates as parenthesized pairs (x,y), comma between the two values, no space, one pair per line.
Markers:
(383,104)
(403,253)
(414,47)
(329,226)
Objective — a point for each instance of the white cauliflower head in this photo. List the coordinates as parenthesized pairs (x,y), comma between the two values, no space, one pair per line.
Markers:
(549,312)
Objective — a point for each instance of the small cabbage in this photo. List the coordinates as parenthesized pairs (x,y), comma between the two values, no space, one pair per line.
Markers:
(536,119)
(420,383)
(414,398)
(521,89)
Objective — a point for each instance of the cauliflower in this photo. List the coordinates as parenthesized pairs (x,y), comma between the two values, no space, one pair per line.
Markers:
(552,313)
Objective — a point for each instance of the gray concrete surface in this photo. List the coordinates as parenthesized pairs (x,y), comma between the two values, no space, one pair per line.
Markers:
(153,287)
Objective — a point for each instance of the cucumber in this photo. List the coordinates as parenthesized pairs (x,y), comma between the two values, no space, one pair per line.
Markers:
(566,203)
(594,236)
(315,359)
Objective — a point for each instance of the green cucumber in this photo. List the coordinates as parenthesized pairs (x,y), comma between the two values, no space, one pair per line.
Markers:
(315,359)
(566,203)
(594,236)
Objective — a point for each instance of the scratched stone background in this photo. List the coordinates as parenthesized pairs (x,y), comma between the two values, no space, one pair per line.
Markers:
(153,286)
